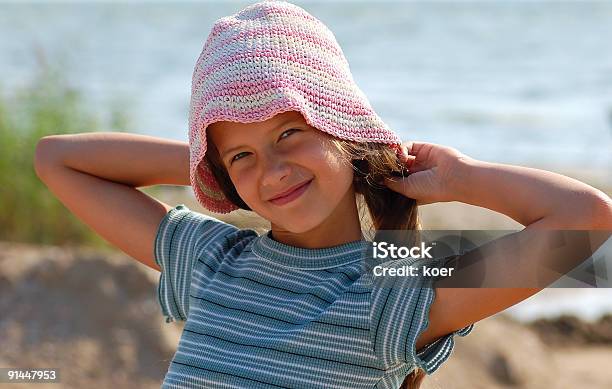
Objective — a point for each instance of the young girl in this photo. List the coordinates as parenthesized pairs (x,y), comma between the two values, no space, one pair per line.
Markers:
(279,127)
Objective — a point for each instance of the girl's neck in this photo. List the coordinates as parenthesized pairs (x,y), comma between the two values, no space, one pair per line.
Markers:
(341,226)
(317,239)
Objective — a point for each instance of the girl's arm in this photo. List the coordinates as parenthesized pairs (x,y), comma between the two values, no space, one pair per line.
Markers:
(540,200)
(441,173)
(95,175)
(530,195)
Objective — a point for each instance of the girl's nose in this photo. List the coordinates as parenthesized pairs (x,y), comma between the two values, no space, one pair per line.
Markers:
(273,170)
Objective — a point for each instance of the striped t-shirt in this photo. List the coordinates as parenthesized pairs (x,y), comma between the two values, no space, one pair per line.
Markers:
(262,314)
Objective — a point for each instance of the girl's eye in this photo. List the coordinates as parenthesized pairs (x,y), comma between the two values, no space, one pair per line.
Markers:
(235,159)
(288,131)
(237,156)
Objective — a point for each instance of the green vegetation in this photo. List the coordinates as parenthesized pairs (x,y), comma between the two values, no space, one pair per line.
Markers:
(47,105)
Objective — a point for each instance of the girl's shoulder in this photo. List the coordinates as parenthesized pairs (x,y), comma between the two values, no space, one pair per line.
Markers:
(191,230)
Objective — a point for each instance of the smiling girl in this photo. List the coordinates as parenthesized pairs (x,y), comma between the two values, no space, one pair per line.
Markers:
(279,127)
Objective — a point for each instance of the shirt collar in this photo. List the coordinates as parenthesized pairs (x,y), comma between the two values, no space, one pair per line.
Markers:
(313,259)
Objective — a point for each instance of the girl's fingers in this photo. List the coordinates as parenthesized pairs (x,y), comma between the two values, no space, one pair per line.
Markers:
(418,147)
(410,161)
(415,165)
(407,147)
(405,152)
(415,148)
(401,152)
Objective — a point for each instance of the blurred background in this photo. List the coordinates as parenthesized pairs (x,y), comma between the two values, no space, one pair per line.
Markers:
(525,83)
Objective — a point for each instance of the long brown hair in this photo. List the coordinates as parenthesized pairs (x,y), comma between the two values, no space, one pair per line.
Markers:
(380,208)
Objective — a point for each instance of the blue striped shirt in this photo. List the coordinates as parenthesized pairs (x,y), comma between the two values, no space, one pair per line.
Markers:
(262,314)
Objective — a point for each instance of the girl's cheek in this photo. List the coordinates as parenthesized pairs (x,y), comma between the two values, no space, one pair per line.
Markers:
(313,150)
(243,182)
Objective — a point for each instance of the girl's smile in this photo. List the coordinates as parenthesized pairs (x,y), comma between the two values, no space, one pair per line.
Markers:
(291,194)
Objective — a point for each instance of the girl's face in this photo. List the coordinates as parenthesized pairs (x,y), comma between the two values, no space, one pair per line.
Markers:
(265,159)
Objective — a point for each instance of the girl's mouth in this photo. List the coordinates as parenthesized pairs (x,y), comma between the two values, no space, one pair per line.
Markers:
(294,194)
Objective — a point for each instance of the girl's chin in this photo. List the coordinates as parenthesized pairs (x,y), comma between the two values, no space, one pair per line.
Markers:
(294,225)
(294,228)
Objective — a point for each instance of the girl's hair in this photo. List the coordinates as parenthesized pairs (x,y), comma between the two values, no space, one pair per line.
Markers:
(413,380)
(386,209)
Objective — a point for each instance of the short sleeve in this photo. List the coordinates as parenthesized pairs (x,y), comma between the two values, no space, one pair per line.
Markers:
(182,237)
(400,311)
(431,356)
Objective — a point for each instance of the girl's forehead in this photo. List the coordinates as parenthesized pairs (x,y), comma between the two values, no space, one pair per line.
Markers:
(225,130)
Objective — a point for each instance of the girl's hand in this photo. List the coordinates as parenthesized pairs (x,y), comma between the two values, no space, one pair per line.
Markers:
(433,172)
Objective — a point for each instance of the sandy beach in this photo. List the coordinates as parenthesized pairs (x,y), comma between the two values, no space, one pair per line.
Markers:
(94,316)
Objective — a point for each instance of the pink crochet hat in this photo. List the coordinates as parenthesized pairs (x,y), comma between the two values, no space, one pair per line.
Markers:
(272,57)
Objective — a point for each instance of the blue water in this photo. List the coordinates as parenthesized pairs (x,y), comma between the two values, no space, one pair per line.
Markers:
(527,83)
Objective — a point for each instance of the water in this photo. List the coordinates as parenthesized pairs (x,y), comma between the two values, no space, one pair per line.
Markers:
(588,304)
(527,83)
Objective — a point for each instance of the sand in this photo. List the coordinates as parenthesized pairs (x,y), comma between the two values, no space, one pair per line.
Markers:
(95,316)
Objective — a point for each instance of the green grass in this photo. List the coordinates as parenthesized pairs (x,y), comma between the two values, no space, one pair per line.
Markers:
(46,105)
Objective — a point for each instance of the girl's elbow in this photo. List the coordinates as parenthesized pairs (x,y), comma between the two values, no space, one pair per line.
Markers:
(45,154)
(601,211)
(588,211)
